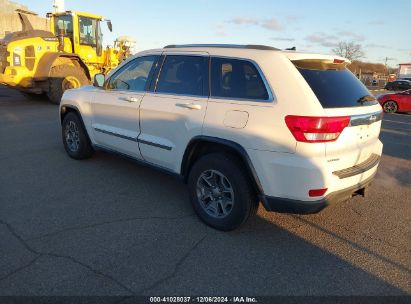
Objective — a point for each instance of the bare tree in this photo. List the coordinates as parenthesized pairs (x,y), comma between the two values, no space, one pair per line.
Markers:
(349,50)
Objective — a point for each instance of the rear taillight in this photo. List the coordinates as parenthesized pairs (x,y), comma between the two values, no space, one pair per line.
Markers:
(316,129)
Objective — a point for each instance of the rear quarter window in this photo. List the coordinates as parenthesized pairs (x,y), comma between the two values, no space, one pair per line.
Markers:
(337,88)
(236,78)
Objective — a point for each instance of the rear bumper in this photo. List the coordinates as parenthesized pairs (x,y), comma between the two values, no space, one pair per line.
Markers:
(288,177)
(286,205)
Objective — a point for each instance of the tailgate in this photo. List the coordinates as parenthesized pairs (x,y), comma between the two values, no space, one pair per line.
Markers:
(359,142)
(341,94)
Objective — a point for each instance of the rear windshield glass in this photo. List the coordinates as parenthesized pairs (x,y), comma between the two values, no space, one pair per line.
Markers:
(337,88)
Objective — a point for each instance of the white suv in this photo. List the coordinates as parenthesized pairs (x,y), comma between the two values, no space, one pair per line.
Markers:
(240,124)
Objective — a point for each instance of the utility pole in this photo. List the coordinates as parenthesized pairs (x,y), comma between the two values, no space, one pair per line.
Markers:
(386,59)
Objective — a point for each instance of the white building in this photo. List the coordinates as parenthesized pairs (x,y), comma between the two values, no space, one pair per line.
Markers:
(404,70)
(58,6)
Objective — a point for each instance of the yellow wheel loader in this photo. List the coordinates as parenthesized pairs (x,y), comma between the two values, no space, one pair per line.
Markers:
(38,62)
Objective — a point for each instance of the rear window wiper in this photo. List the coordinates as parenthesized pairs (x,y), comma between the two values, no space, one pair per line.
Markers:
(366,98)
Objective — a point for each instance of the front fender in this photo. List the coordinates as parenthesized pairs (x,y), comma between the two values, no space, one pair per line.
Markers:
(79,100)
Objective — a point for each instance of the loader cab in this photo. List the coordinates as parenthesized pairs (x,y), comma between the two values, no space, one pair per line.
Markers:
(83,31)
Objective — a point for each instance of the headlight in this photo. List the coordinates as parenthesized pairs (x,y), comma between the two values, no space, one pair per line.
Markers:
(16,56)
(16,59)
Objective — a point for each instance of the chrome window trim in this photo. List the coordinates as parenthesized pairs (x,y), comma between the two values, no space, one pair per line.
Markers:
(178,95)
(271,96)
(126,91)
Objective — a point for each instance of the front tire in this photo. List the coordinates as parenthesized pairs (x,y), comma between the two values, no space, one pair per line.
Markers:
(75,138)
(62,78)
(221,191)
(390,106)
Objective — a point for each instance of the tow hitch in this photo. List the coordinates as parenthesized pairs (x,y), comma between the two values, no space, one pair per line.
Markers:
(363,191)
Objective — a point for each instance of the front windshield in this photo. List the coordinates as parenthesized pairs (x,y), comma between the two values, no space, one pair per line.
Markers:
(63,23)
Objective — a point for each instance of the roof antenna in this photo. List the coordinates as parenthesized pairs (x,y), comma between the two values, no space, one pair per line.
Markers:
(291,49)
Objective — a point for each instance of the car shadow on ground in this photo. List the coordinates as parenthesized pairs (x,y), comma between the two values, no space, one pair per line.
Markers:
(156,245)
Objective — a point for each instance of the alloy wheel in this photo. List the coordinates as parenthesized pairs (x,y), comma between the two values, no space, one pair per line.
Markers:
(390,107)
(215,193)
(72,136)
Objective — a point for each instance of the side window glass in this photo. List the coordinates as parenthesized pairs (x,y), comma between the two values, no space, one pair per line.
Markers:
(87,31)
(184,75)
(236,78)
(133,76)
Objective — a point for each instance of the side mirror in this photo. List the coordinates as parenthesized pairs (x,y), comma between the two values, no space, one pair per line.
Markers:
(99,80)
(109,25)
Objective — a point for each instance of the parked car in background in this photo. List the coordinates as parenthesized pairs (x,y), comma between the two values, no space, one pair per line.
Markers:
(396,102)
(398,85)
(240,124)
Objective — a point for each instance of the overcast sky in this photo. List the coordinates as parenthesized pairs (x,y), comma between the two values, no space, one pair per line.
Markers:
(383,28)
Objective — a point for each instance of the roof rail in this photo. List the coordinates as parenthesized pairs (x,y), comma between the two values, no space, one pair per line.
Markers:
(230,46)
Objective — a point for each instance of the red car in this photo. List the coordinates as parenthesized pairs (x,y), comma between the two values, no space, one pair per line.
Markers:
(396,102)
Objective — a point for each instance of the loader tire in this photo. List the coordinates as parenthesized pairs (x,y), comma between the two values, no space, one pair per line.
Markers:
(62,78)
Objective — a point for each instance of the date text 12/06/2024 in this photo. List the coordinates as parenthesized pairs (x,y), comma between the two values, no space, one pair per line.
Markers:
(203,300)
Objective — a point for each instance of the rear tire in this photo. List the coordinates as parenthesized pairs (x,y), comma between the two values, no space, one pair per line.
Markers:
(75,138)
(390,106)
(62,78)
(221,191)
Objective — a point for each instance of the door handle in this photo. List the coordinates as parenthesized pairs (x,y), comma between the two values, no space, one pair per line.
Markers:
(190,106)
(130,99)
